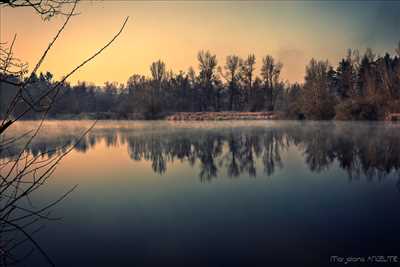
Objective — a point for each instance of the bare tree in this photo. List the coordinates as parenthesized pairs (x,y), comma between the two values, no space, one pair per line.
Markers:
(232,75)
(25,173)
(270,72)
(207,65)
(45,8)
(10,66)
(247,70)
(158,72)
(317,101)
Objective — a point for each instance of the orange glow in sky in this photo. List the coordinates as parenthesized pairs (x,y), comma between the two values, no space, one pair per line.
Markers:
(174,32)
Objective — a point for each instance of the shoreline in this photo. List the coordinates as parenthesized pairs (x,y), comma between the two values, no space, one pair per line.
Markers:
(170,116)
(193,116)
(221,116)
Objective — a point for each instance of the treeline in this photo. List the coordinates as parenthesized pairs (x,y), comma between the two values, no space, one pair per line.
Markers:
(360,87)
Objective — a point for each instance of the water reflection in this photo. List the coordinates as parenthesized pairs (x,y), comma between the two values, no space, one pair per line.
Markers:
(361,149)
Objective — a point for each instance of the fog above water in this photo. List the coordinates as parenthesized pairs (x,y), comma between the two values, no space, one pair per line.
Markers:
(233,148)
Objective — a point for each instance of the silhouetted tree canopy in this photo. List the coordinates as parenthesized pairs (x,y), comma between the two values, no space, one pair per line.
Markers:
(360,87)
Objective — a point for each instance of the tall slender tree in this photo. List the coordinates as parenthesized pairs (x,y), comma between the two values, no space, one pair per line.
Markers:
(270,72)
(207,76)
(248,68)
(232,75)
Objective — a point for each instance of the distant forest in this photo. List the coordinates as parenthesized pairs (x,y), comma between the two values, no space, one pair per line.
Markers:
(361,87)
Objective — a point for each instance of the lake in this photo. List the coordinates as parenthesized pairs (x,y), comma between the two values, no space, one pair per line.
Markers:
(234,193)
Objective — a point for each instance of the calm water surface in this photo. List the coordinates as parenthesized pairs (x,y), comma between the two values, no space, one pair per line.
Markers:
(220,193)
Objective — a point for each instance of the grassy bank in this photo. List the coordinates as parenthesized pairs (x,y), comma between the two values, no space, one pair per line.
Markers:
(173,116)
(219,116)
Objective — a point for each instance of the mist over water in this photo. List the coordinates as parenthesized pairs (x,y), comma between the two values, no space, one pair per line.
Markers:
(220,193)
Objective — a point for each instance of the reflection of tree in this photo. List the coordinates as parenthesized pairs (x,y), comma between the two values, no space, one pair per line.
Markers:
(346,154)
(157,155)
(379,153)
(369,150)
(111,139)
(272,146)
(206,150)
(238,151)
(319,150)
(233,154)
(247,163)
(240,157)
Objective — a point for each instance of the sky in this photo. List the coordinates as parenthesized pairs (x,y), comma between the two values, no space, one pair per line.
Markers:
(292,32)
